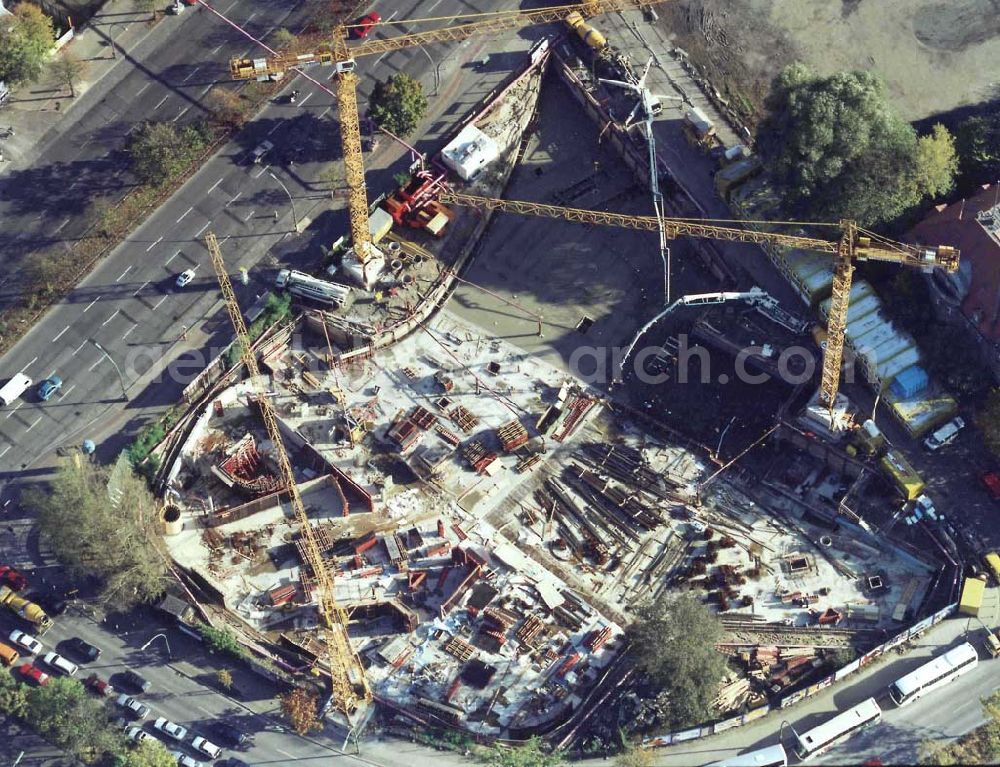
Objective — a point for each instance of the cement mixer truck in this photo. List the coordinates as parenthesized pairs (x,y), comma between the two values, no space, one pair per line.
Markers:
(31,612)
(590,36)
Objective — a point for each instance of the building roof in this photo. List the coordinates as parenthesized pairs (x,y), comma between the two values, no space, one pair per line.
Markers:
(973,226)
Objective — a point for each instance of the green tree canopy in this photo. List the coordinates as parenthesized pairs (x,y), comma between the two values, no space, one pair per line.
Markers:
(13,696)
(160,152)
(531,754)
(222,640)
(977,140)
(104,522)
(65,714)
(149,753)
(398,104)
(673,641)
(840,151)
(26,39)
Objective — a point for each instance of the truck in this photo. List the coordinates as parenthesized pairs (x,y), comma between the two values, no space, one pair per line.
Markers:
(306,286)
(903,475)
(25,609)
(590,36)
(14,388)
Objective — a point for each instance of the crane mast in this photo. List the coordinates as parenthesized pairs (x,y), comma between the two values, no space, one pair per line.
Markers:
(349,684)
(854,244)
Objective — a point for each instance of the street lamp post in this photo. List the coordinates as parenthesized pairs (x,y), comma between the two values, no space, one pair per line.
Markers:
(121,378)
(295,218)
(437,69)
(154,638)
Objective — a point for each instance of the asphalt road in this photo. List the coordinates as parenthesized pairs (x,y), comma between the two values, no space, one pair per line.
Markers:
(160,336)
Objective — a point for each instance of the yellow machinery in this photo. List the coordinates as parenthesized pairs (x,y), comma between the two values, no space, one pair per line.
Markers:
(854,244)
(342,58)
(348,682)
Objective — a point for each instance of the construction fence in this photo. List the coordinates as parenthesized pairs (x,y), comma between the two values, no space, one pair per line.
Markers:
(704,731)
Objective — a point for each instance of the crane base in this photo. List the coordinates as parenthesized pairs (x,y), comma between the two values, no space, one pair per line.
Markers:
(832,424)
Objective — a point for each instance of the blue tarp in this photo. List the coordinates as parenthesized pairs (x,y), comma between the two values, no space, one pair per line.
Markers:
(910,382)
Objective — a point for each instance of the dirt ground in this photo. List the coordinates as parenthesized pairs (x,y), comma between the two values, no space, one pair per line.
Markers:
(935,55)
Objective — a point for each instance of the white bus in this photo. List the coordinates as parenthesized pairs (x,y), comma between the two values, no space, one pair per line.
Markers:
(827,735)
(772,756)
(938,672)
(307,286)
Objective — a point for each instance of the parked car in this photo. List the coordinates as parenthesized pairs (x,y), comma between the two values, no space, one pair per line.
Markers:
(60,664)
(232,762)
(262,149)
(136,681)
(132,706)
(49,387)
(185,277)
(98,686)
(945,435)
(26,641)
(172,729)
(34,674)
(229,734)
(12,578)
(991,479)
(84,649)
(206,747)
(184,760)
(136,733)
(52,604)
(361,27)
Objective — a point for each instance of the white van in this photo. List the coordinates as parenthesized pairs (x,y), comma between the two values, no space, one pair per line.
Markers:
(14,388)
(58,662)
(943,436)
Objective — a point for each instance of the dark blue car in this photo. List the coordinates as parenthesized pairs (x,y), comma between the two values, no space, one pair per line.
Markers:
(48,387)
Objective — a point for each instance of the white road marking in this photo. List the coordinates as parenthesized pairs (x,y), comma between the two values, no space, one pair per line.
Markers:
(264,36)
(161,102)
(154,244)
(206,89)
(324,112)
(180,114)
(110,318)
(285,753)
(273,128)
(198,234)
(4,451)
(250,17)
(262,171)
(129,331)
(216,49)
(139,289)
(229,8)
(127,270)
(308,96)
(67,391)
(52,373)
(248,216)
(77,349)
(60,334)
(171,258)
(184,214)
(212,188)
(99,361)
(33,425)
(92,303)
(142,89)
(234,199)
(429,8)
(28,365)
(15,409)
(59,229)
(193,71)
(159,302)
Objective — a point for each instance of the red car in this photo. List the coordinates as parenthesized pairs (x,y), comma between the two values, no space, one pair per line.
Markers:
(991,480)
(98,686)
(361,27)
(35,674)
(12,578)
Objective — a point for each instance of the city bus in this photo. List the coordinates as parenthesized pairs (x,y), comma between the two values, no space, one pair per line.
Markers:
(842,726)
(937,673)
(772,756)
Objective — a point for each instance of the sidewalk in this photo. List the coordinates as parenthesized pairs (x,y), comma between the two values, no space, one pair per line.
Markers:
(41,111)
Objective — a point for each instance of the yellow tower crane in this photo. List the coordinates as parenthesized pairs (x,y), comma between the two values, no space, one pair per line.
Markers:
(342,58)
(855,244)
(348,682)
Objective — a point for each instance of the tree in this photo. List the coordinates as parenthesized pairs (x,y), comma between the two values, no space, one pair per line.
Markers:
(634,756)
(63,712)
(282,39)
(26,40)
(13,696)
(531,754)
(226,107)
(977,141)
(398,104)
(150,753)
(224,677)
(68,69)
(673,641)
(222,640)
(147,5)
(839,150)
(160,152)
(104,523)
(300,708)
(937,162)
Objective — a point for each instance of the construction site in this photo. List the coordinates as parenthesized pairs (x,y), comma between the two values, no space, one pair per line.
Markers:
(435,486)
